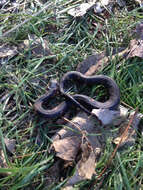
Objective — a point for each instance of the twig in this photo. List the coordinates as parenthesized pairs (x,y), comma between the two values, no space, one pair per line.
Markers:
(24,22)
(26,155)
(117,146)
(125,104)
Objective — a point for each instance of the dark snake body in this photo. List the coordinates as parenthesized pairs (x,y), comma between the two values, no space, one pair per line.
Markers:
(112,103)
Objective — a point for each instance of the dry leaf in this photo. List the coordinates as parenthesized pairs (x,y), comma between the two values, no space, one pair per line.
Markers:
(130,137)
(39,46)
(81,9)
(136,45)
(7,52)
(85,124)
(96,62)
(86,166)
(3,163)
(139,30)
(67,148)
(10,145)
(106,116)
(136,48)
(90,61)
(91,149)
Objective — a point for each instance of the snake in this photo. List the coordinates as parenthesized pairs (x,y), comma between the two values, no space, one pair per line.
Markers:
(79,100)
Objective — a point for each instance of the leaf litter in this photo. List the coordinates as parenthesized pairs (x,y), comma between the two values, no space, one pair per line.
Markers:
(136,45)
(7,52)
(10,145)
(97,5)
(82,9)
(87,148)
(10,148)
(74,141)
(67,148)
(39,47)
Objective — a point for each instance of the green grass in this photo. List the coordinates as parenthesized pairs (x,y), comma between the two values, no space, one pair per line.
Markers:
(24,78)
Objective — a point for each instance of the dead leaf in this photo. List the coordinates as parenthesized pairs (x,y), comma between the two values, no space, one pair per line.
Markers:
(95,63)
(130,137)
(91,148)
(81,9)
(86,166)
(10,144)
(136,49)
(85,124)
(67,148)
(139,30)
(3,163)
(84,66)
(106,116)
(7,52)
(38,46)
(136,45)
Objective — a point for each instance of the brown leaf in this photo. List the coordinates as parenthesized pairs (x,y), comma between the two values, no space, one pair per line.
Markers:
(130,137)
(139,30)
(82,9)
(136,45)
(67,148)
(86,166)
(86,124)
(90,61)
(95,63)
(3,163)
(39,47)
(7,51)
(10,144)
(136,48)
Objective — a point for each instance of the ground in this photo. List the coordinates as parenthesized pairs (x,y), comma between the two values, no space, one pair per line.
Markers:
(25,76)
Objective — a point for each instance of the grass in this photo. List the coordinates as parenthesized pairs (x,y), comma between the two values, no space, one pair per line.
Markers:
(24,78)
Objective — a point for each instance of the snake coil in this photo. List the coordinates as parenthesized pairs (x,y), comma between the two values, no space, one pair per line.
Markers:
(112,103)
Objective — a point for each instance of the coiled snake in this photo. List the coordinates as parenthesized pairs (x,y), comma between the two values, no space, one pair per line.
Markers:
(78,100)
